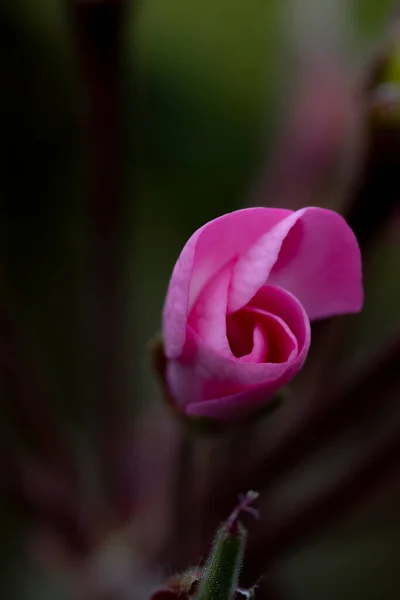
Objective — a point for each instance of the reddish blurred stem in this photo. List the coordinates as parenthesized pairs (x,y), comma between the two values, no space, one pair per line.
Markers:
(98,32)
(46,494)
(331,414)
(375,192)
(182,517)
(27,398)
(43,497)
(309,147)
(378,469)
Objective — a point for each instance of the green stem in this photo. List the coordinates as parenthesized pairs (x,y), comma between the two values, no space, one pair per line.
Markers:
(221,575)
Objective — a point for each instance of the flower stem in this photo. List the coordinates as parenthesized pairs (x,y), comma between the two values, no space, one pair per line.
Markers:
(182,496)
(221,574)
(98,29)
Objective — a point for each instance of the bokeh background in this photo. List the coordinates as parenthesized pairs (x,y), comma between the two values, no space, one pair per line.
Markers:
(206,95)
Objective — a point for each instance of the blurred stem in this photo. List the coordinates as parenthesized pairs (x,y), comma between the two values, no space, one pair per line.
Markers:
(183,517)
(27,398)
(38,473)
(98,29)
(309,145)
(43,496)
(382,466)
(332,412)
(375,193)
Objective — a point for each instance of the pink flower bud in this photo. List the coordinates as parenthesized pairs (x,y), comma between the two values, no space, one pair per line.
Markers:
(236,321)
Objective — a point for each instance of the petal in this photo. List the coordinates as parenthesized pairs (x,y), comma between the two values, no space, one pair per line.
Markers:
(320,263)
(240,405)
(243,335)
(247,402)
(208,316)
(247,338)
(284,305)
(203,375)
(208,250)
(258,336)
(282,344)
(253,267)
(259,350)
(313,254)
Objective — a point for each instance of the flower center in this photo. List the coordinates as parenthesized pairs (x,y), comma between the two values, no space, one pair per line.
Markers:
(255,335)
(239,331)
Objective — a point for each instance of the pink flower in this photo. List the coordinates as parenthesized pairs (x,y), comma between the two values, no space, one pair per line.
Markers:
(236,321)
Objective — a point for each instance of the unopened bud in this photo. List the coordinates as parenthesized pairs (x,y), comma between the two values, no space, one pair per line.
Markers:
(221,574)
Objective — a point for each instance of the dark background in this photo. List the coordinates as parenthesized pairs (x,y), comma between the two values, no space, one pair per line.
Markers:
(204,90)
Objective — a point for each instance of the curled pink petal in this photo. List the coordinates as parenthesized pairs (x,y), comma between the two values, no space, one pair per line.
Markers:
(208,315)
(204,374)
(282,344)
(312,253)
(320,263)
(206,252)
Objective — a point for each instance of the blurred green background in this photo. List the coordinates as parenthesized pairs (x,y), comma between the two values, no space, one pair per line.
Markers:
(203,93)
